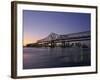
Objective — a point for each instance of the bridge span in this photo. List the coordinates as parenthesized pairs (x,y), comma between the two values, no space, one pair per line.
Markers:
(66,40)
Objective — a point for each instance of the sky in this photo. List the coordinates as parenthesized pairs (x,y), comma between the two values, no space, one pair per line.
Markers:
(39,24)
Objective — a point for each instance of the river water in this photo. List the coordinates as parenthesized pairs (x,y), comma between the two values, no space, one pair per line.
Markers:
(55,57)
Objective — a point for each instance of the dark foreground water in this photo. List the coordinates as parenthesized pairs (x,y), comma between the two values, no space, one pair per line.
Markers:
(55,57)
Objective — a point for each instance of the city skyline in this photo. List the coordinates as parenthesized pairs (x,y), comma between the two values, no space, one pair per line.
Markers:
(38,24)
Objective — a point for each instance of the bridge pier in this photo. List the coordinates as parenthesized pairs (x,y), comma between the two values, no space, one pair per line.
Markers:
(63,44)
(46,45)
(52,44)
(67,44)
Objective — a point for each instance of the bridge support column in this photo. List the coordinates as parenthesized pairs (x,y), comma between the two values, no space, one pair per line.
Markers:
(52,44)
(63,44)
(67,44)
(46,45)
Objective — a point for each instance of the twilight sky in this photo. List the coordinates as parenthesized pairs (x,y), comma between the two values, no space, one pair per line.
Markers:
(39,24)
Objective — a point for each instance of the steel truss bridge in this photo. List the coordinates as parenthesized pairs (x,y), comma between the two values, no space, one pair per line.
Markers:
(66,40)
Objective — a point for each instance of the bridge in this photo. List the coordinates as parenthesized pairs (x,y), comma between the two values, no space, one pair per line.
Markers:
(67,40)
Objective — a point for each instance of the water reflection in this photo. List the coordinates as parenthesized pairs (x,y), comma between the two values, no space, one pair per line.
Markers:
(55,57)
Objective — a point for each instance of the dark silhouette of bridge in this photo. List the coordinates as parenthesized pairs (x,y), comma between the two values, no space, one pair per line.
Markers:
(67,40)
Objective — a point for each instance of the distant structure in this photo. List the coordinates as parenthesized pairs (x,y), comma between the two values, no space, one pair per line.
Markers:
(80,39)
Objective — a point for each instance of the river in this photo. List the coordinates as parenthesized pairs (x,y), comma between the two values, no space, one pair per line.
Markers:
(55,57)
